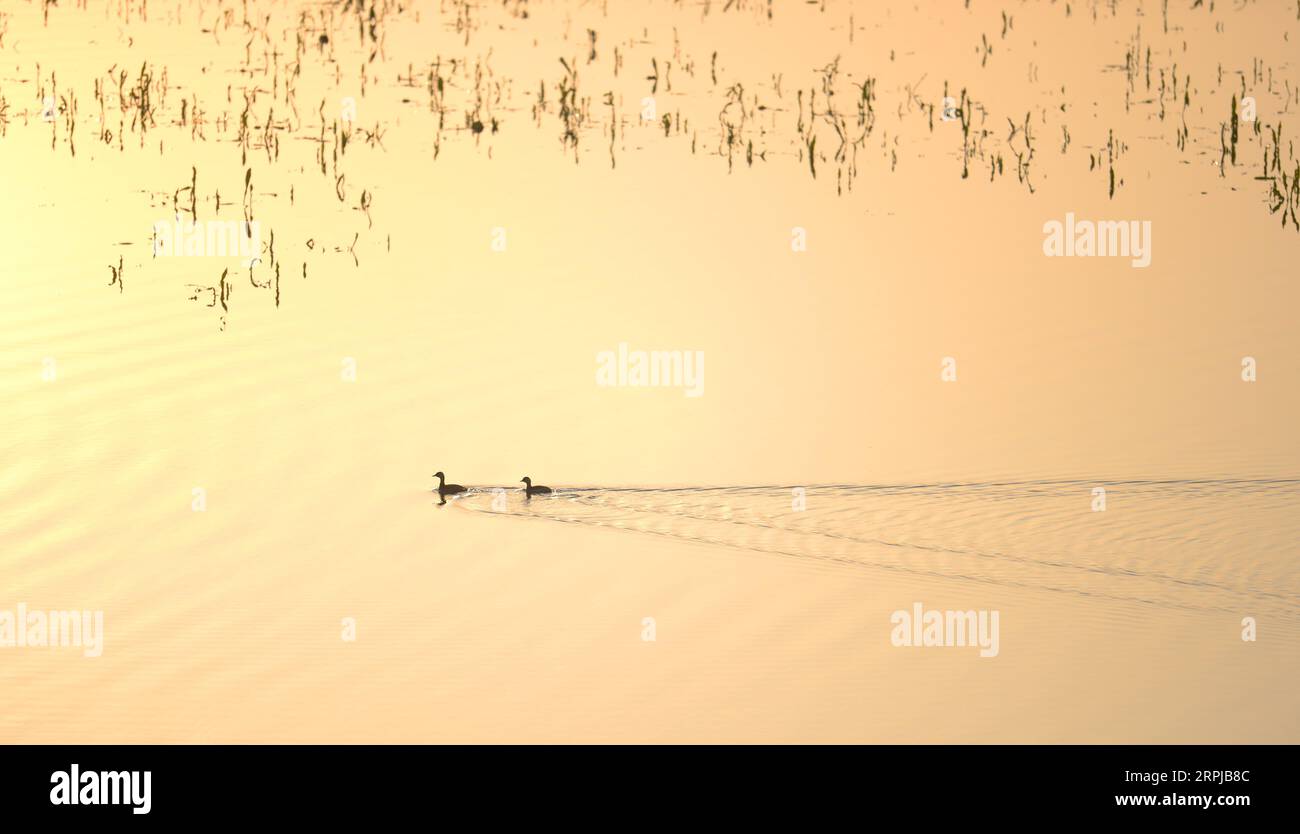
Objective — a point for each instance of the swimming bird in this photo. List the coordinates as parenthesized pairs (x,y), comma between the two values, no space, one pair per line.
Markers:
(530,490)
(445,489)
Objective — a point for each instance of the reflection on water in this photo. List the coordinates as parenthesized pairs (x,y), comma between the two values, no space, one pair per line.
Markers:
(295,115)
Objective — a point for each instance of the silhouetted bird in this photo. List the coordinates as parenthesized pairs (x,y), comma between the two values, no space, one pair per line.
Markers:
(445,489)
(530,490)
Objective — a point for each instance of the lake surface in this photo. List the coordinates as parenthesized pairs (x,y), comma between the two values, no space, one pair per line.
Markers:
(450,211)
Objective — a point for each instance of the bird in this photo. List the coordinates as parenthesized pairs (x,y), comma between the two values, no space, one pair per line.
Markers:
(530,490)
(445,489)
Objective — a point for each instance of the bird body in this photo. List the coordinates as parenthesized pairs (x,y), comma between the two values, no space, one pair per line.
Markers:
(445,489)
(530,490)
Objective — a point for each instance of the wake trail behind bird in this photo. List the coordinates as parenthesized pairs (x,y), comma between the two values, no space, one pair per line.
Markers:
(1183,543)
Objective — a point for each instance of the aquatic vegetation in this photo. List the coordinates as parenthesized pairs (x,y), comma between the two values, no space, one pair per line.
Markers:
(280,93)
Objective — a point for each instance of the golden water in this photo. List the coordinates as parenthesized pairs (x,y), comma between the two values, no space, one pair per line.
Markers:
(125,391)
